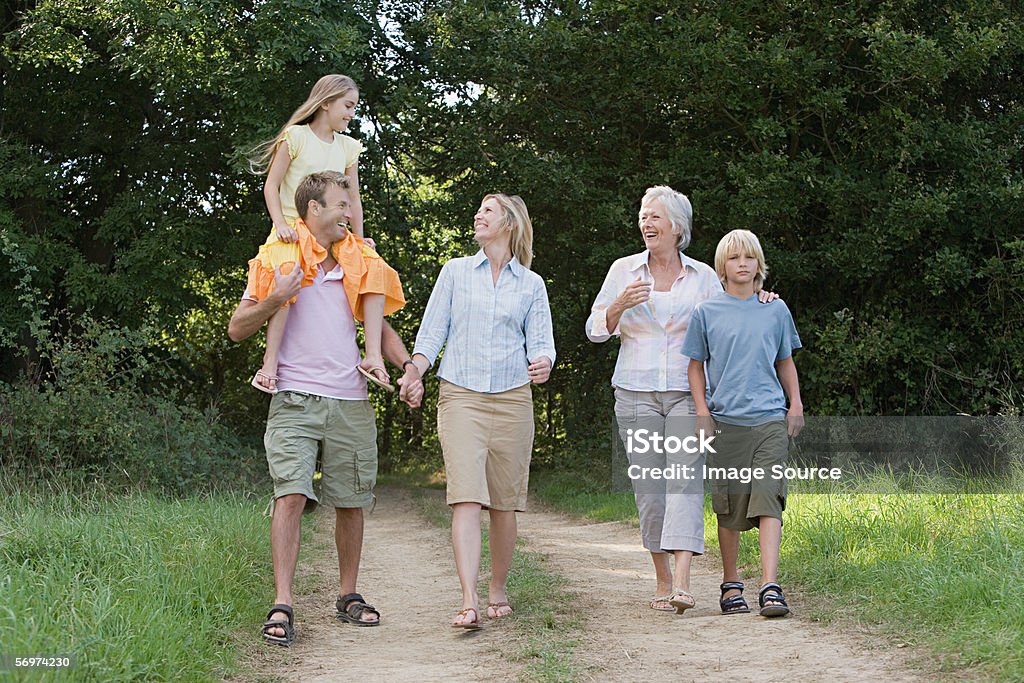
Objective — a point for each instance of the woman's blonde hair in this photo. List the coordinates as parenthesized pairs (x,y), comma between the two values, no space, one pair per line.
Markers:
(741,242)
(326,89)
(517,221)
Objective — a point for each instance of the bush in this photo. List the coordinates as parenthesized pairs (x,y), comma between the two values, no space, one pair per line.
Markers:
(99,404)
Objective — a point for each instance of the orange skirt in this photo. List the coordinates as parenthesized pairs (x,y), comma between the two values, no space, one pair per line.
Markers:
(365,271)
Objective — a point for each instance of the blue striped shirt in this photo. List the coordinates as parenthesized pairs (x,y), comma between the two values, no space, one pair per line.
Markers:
(490,331)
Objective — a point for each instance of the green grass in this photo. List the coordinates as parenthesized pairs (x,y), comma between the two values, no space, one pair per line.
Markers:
(544,632)
(940,571)
(136,588)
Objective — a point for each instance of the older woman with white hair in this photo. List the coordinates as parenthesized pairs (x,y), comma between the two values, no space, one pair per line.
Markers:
(647,300)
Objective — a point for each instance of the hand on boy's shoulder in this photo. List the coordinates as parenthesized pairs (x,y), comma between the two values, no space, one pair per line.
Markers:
(766,297)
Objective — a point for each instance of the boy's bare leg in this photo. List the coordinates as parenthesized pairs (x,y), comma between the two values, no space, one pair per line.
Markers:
(769,538)
(275,334)
(373,324)
(466,544)
(729,546)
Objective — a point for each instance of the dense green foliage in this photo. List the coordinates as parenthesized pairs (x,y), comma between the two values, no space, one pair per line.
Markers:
(104,413)
(876,148)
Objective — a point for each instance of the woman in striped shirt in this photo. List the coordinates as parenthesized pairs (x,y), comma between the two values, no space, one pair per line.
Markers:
(490,313)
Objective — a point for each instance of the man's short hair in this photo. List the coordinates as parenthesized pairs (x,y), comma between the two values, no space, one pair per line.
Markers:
(314,186)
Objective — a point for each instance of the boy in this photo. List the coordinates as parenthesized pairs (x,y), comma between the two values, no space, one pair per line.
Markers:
(748,348)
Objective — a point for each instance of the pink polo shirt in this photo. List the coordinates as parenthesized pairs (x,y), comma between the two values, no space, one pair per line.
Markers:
(319,353)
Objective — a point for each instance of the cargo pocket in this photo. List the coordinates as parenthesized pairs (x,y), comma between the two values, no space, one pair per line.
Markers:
(285,403)
(720,498)
(283,457)
(365,468)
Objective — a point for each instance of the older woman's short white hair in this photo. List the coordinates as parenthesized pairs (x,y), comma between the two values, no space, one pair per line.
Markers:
(678,208)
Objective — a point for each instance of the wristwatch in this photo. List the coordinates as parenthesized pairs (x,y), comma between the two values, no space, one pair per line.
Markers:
(409,362)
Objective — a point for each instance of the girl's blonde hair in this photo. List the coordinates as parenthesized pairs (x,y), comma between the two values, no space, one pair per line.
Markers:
(326,89)
(741,242)
(517,221)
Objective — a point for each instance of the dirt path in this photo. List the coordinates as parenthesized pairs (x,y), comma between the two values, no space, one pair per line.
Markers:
(627,641)
(409,575)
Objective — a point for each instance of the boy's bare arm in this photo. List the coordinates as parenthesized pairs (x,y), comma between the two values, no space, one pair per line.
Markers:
(791,385)
(698,386)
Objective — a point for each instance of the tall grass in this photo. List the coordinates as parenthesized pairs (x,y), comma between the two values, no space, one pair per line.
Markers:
(943,571)
(134,588)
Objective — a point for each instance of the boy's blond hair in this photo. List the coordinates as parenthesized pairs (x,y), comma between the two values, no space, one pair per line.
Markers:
(741,242)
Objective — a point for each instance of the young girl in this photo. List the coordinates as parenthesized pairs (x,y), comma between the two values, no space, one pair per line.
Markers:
(309,142)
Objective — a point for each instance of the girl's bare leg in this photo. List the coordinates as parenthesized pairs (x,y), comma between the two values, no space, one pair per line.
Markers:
(373,325)
(267,376)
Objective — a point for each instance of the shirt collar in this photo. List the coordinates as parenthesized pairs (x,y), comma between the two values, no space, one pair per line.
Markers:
(641,260)
(514,265)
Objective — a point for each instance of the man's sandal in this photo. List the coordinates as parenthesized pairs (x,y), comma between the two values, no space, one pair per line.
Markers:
(352,607)
(772,601)
(285,625)
(468,625)
(269,378)
(371,375)
(682,601)
(735,604)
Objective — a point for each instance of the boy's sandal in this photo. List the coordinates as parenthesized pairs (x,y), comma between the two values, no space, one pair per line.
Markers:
(771,601)
(352,607)
(285,625)
(269,378)
(661,604)
(735,604)
(371,375)
(682,601)
(468,625)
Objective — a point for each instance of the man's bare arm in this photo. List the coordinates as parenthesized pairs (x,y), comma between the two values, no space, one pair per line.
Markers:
(250,316)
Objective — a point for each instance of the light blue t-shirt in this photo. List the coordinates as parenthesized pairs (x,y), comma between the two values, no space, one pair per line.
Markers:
(739,341)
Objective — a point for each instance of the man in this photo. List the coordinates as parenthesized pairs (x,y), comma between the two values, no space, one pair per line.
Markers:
(321,405)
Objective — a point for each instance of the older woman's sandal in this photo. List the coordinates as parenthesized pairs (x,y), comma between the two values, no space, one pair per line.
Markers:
(772,601)
(285,625)
(734,604)
(681,601)
(352,607)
